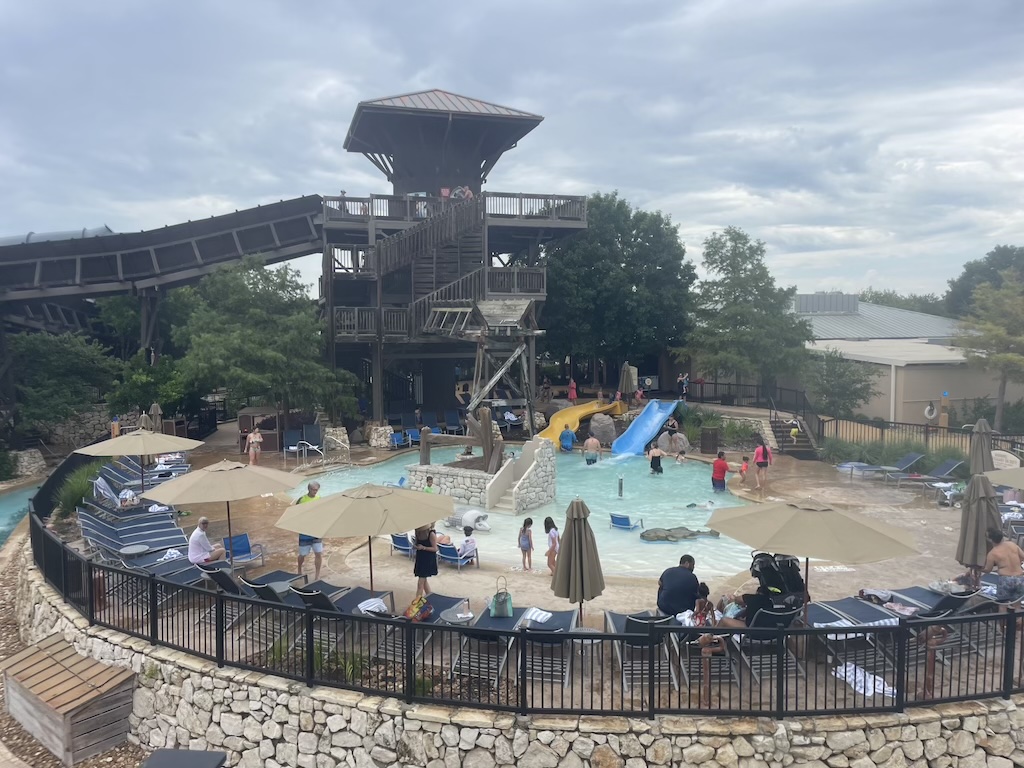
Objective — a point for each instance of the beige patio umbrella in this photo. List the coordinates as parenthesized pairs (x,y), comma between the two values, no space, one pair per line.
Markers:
(979,511)
(141,442)
(145,422)
(1013,477)
(981,448)
(808,528)
(156,413)
(225,481)
(578,575)
(367,510)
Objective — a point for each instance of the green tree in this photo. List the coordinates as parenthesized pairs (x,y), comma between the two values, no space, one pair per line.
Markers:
(839,386)
(58,377)
(744,324)
(621,288)
(928,303)
(142,384)
(992,337)
(122,317)
(960,296)
(255,332)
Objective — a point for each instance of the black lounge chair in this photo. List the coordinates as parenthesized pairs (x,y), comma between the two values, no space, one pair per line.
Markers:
(392,647)
(483,652)
(548,648)
(758,643)
(236,610)
(637,648)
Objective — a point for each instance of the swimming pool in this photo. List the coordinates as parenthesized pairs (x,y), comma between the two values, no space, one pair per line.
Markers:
(661,502)
(13,507)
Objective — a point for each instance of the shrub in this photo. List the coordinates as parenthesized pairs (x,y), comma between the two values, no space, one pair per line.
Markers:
(76,487)
(738,432)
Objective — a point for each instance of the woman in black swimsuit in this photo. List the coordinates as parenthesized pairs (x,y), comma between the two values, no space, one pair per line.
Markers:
(654,454)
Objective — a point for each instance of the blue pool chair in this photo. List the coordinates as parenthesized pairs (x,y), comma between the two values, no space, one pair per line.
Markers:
(622,522)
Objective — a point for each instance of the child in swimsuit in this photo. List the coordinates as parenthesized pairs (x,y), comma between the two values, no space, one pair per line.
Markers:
(526,543)
(744,467)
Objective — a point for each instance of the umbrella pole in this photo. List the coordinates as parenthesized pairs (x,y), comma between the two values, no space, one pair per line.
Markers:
(231,554)
(369,548)
(142,474)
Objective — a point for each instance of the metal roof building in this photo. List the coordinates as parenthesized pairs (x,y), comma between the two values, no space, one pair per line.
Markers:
(843,316)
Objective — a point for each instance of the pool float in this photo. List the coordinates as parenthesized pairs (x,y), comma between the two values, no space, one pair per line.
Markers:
(676,534)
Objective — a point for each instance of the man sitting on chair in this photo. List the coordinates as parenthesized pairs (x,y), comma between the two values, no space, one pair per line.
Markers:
(468,546)
(200,550)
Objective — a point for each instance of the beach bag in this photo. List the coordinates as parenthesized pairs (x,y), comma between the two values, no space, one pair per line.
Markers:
(501,603)
(419,610)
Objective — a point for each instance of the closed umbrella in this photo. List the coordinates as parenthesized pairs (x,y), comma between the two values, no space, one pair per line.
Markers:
(981,448)
(578,576)
(808,528)
(225,481)
(627,381)
(156,413)
(141,442)
(367,510)
(145,422)
(979,511)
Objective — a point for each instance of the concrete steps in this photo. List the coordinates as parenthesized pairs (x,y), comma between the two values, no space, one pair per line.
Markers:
(506,504)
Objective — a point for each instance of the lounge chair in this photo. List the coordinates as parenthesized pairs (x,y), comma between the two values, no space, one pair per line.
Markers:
(865,470)
(623,522)
(637,648)
(139,524)
(236,610)
(429,418)
(114,539)
(413,435)
(447,553)
(409,421)
(311,434)
(452,423)
(334,616)
(870,651)
(399,440)
(548,648)
(942,472)
(400,543)
(290,444)
(758,644)
(392,646)
(402,482)
(243,552)
(114,512)
(484,650)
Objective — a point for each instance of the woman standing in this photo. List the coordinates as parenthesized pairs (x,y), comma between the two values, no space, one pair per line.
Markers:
(254,445)
(554,543)
(762,458)
(572,391)
(426,558)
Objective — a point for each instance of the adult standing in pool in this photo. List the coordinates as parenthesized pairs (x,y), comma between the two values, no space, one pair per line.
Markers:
(719,469)
(592,450)
(567,439)
(655,454)
(762,460)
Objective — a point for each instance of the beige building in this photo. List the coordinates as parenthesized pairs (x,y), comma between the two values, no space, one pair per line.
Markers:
(910,351)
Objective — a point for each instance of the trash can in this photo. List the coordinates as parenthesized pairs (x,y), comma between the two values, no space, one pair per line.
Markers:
(709,440)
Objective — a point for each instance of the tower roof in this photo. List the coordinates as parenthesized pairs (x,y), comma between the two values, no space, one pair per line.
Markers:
(437,100)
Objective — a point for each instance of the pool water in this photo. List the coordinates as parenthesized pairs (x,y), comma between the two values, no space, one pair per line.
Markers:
(13,507)
(660,501)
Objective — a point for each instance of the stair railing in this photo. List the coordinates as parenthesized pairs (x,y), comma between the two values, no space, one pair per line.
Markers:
(451,223)
(500,483)
(470,287)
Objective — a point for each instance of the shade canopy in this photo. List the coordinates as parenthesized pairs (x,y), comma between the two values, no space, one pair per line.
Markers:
(368,510)
(1013,477)
(979,511)
(223,481)
(578,576)
(141,442)
(812,529)
(981,448)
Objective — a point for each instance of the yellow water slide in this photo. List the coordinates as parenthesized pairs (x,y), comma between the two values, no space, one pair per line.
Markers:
(577,413)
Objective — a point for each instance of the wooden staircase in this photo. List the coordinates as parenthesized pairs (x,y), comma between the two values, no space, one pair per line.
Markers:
(802,449)
(424,239)
(445,264)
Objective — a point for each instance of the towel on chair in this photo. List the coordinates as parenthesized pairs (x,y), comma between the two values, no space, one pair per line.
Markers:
(863,681)
(536,615)
(373,605)
(170,554)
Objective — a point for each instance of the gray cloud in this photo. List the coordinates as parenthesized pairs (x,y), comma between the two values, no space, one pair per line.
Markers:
(865,141)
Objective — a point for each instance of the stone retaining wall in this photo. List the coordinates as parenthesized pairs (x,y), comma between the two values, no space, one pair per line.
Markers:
(89,425)
(468,486)
(264,721)
(29,463)
(537,487)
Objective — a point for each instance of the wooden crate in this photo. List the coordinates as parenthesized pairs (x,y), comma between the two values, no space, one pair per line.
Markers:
(75,706)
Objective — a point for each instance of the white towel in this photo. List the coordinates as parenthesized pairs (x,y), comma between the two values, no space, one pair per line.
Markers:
(374,604)
(158,508)
(170,554)
(536,615)
(863,681)
(845,623)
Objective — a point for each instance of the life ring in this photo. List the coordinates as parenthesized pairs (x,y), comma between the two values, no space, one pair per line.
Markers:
(648,382)
(929,411)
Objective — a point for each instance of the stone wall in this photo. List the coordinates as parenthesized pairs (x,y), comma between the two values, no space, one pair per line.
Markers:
(88,426)
(29,463)
(537,487)
(264,721)
(468,486)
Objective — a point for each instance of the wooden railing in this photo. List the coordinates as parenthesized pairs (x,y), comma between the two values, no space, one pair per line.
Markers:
(449,225)
(526,206)
(517,281)
(355,322)
(387,207)
(354,260)
(468,287)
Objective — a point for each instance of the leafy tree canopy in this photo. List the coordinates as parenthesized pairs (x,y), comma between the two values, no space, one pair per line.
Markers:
(58,377)
(744,325)
(621,288)
(122,317)
(992,337)
(142,384)
(255,332)
(929,303)
(960,298)
(839,386)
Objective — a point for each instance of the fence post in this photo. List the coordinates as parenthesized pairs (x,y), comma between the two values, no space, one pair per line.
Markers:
(310,648)
(780,673)
(90,593)
(154,623)
(63,572)
(902,640)
(409,650)
(524,649)
(1009,652)
(221,619)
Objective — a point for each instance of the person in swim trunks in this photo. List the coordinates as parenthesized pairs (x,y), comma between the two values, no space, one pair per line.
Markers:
(655,454)
(592,450)
(1005,558)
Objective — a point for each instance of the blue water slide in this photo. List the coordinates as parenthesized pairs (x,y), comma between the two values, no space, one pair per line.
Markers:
(644,428)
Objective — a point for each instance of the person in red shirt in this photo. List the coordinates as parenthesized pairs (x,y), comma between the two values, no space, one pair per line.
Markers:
(718,472)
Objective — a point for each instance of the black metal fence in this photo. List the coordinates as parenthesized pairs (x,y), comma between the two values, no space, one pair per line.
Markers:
(928,435)
(659,670)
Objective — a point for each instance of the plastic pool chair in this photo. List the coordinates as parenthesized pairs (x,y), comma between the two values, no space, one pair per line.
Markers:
(399,440)
(942,472)
(447,553)
(452,423)
(413,435)
(242,550)
(623,523)
(401,543)
(402,482)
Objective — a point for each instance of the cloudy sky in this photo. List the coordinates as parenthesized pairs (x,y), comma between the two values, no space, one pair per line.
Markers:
(867,142)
